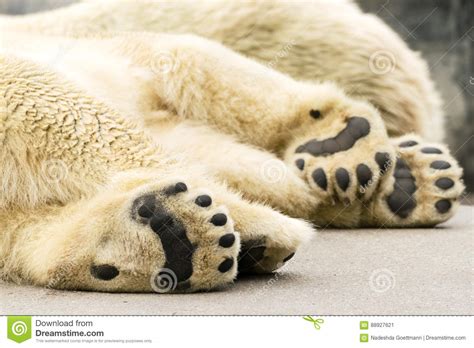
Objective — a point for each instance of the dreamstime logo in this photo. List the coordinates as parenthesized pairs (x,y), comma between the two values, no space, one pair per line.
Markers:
(163,63)
(54,170)
(163,280)
(273,171)
(382,280)
(19,328)
(382,62)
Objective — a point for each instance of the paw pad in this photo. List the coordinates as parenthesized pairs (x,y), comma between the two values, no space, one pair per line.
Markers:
(226,265)
(203,201)
(104,272)
(177,188)
(219,219)
(342,178)
(161,221)
(356,128)
(299,164)
(443,206)
(227,240)
(147,209)
(364,174)
(401,201)
(440,165)
(444,183)
(431,150)
(408,143)
(320,178)
(383,161)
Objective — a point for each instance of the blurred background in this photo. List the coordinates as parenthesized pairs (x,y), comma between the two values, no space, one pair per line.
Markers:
(441,29)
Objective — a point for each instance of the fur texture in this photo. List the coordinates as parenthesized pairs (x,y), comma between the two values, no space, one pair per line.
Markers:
(312,40)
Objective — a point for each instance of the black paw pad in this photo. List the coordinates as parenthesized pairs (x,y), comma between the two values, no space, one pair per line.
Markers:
(383,161)
(177,188)
(408,143)
(440,165)
(177,247)
(227,240)
(356,128)
(431,150)
(342,178)
(315,114)
(443,206)
(289,257)
(444,183)
(143,208)
(300,163)
(226,265)
(203,201)
(320,179)
(252,252)
(364,174)
(401,201)
(104,272)
(161,221)
(219,219)
(146,206)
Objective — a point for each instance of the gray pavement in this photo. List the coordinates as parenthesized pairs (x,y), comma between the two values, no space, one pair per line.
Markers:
(392,271)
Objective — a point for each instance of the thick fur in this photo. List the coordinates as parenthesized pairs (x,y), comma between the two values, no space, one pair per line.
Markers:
(312,40)
(126,116)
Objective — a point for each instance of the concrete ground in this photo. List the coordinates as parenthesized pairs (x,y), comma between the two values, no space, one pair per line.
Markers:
(395,271)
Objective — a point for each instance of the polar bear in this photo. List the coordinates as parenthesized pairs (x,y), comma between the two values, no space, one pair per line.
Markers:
(135,156)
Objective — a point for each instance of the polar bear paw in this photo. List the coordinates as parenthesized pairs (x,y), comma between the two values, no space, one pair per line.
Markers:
(423,190)
(343,155)
(268,250)
(199,243)
(155,236)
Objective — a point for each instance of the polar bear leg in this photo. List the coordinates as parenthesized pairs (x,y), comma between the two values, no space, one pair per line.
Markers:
(313,127)
(150,238)
(48,118)
(268,238)
(146,231)
(261,176)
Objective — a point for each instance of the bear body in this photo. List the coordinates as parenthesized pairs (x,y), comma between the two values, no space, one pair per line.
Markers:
(170,162)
